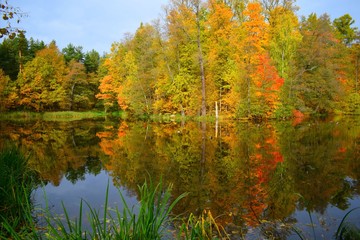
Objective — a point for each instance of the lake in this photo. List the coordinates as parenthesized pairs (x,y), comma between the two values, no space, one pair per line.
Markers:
(259,179)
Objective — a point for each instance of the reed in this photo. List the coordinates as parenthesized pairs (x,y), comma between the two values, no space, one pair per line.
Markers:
(16,185)
(150,221)
(202,228)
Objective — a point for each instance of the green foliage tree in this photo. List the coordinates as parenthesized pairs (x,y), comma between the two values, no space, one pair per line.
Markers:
(92,61)
(34,46)
(316,86)
(284,39)
(72,52)
(344,28)
(14,53)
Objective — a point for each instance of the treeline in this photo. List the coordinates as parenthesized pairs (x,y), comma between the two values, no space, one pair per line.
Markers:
(239,58)
(38,77)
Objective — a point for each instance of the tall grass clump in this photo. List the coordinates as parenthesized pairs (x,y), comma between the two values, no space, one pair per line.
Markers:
(202,228)
(148,221)
(16,185)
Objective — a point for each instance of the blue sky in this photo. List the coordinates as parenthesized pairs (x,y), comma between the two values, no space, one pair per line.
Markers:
(96,24)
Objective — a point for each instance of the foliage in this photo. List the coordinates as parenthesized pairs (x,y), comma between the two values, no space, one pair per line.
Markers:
(41,84)
(71,52)
(343,26)
(92,61)
(317,84)
(9,13)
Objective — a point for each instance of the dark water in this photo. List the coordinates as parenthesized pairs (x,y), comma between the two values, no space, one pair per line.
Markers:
(259,179)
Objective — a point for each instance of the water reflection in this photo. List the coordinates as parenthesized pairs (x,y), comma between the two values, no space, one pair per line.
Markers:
(262,178)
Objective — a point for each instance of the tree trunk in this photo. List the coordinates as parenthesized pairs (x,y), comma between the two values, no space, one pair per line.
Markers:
(216,111)
(201,60)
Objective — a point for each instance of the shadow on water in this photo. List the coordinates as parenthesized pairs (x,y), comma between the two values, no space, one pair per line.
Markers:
(259,179)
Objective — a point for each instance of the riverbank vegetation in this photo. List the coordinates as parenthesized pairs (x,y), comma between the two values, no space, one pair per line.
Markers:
(240,59)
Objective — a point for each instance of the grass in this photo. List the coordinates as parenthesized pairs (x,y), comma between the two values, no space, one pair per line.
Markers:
(202,228)
(149,223)
(70,116)
(59,116)
(16,184)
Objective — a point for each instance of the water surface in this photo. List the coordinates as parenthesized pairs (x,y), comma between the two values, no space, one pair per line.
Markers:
(259,179)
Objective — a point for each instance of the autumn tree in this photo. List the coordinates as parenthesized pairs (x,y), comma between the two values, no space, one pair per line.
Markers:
(131,76)
(261,76)
(222,71)
(237,7)
(41,82)
(4,81)
(184,23)
(110,83)
(141,64)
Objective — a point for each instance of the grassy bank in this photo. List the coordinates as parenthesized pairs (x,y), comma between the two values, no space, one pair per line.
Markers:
(58,116)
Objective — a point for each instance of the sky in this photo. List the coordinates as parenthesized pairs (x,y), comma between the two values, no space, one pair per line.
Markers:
(96,24)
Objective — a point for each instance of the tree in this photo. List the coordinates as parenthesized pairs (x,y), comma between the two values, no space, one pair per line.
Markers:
(346,33)
(254,46)
(110,88)
(14,54)
(222,72)
(92,61)
(284,39)
(267,84)
(316,86)
(41,82)
(237,7)
(270,5)
(4,81)
(185,26)
(74,81)
(71,52)
(34,46)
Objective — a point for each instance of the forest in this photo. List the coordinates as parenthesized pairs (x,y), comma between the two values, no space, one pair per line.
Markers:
(230,58)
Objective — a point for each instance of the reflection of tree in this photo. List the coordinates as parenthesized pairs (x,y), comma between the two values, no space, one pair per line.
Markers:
(57,148)
(215,171)
(317,163)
